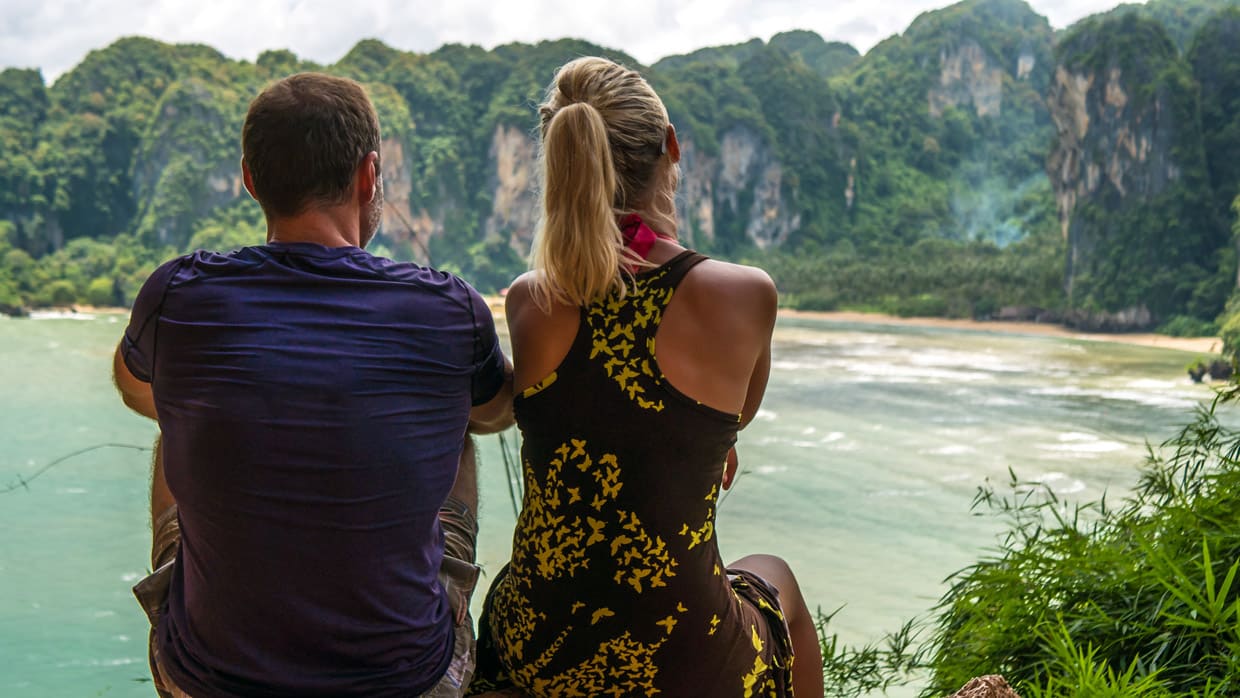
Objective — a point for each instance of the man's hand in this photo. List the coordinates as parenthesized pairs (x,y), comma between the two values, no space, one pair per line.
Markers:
(135,393)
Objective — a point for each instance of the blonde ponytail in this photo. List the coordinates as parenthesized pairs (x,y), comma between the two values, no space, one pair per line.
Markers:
(603,136)
(578,248)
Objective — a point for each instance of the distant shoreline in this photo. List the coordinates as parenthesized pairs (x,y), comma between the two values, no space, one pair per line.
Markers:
(1198,345)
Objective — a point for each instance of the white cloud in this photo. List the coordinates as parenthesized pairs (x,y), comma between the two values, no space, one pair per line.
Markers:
(54,35)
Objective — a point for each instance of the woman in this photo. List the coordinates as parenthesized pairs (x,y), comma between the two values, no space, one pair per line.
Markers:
(616,586)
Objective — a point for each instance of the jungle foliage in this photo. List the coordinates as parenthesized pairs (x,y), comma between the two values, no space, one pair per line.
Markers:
(912,191)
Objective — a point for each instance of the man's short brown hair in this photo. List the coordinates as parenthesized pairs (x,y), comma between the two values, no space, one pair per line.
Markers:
(303,140)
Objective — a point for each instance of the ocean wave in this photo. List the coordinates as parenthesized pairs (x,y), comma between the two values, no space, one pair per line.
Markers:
(1070,485)
(899,493)
(770,469)
(119,661)
(59,315)
(950,450)
(1096,446)
(1141,398)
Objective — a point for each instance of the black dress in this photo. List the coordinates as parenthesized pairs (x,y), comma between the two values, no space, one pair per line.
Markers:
(616,587)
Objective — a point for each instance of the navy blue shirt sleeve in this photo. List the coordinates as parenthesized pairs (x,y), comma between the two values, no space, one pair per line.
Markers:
(488,354)
(138,343)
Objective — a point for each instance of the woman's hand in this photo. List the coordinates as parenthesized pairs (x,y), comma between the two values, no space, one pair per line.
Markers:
(729,468)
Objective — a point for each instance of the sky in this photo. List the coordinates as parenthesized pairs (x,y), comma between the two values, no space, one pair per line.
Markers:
(54,35)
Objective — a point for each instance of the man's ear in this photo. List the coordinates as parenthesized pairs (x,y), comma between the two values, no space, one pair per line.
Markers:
(367,178)
(673,145)
(247,179)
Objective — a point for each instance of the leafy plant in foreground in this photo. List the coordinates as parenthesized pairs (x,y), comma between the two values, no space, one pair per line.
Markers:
(1090,600)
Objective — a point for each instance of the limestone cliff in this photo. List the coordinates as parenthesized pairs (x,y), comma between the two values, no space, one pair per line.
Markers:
(1128,173)
(970,78)
(742,185)
(185,167)
(512,166)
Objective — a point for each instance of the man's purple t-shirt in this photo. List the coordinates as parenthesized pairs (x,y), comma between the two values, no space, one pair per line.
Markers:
(313,403)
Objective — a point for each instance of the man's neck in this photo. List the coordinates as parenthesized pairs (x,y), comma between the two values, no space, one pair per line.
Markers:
(329,227)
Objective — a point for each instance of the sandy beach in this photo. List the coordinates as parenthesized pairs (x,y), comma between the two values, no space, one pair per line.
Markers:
(1199,345)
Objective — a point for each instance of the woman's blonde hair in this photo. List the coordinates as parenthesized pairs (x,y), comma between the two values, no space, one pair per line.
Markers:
(604,133)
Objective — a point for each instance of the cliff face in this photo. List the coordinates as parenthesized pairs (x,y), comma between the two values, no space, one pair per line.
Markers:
(971,79)
(1104,148)
(1128,171)
(742,184)
(512,166)
(184,168)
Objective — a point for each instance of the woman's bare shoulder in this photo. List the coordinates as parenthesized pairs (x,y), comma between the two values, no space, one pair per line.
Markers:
(734,285)
(523,298)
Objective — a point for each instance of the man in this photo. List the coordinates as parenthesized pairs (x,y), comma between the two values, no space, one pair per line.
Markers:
(313,402)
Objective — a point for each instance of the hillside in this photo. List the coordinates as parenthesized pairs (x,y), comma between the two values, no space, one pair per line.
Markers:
(913,179)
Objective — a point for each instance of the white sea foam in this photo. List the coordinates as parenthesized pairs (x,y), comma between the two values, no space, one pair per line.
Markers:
(1150,399)
(951,450)
(1095,446)
(770,469)
(899,493)
(119,661)
(766,415)
(910,373)
(59,315)
(1060,483)
(131,577)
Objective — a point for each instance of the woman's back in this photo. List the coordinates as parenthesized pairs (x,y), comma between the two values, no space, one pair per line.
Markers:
(633,389)
(616,580)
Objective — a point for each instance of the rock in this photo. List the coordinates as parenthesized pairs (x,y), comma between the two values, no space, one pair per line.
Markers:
(993,686)
(1220,370)
(1018,313)
(1134,319)
(1197,371)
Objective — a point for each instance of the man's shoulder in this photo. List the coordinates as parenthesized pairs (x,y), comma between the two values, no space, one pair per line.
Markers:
(436,283)
(199,263)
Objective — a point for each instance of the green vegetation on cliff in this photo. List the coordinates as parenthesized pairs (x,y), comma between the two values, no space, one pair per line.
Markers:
(911,179)
(1213,59)
(1181,18)
(1144,233)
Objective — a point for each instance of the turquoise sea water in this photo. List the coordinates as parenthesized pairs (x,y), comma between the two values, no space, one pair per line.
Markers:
(859,470)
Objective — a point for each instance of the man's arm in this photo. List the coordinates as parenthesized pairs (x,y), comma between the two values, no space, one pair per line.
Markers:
(135,393)
(494,415)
